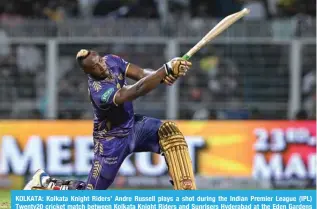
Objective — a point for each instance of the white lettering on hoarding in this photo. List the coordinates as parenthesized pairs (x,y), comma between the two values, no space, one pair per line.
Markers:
(19,160)
(312,166)
(274,167)
(59,155)
(275,142)
(295,167)
(262,139)
(83,154)
(264,170)
(144,164)
(278,143)
(127,168)
(144,160)
(65,156)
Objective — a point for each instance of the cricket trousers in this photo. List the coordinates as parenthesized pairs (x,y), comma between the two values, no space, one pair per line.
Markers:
(110,154)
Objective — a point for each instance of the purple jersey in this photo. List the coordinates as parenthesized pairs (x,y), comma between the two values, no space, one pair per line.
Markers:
(110,120)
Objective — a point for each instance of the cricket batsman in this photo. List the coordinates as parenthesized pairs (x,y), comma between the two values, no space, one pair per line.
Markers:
(117,131)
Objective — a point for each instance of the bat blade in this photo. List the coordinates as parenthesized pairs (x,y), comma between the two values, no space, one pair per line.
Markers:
(215,31)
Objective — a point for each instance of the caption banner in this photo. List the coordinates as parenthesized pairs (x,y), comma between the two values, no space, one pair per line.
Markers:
(161,199)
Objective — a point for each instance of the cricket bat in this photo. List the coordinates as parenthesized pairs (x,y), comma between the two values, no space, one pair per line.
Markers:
(215,31)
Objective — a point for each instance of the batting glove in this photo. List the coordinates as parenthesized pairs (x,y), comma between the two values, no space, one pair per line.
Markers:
(177,67)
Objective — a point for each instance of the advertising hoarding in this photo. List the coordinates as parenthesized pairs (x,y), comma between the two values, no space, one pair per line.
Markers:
(283,152)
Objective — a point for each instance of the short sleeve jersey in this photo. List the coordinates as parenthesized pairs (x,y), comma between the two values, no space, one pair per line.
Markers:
(110,119)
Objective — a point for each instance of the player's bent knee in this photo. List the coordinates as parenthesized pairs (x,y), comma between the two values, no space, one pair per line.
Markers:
(175,150)
(170,135)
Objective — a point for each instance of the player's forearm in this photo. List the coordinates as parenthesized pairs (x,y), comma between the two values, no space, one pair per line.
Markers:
(136,73)
(147,72)
(143,73)
(140,88)
(177,67)
(149,82)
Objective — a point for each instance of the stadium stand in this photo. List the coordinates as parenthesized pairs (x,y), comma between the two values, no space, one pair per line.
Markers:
(252,77)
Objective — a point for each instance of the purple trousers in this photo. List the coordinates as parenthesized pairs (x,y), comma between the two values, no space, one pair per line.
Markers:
(109,154)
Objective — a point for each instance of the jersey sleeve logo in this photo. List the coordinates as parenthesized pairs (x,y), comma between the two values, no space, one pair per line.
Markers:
(96,85)
(105,97)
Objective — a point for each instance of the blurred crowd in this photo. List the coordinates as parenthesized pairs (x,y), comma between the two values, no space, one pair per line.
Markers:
(21,80)
(239,82)
(58,10)
(219,87)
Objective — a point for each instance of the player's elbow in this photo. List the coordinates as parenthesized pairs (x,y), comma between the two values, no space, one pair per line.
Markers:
(120,97)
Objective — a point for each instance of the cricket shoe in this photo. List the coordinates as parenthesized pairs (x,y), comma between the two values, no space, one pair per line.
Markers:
(38,181)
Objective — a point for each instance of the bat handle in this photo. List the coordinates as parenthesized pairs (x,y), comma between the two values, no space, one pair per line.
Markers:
(186,57)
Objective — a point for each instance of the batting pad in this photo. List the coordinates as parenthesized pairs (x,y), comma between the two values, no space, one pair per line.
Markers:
(175,150)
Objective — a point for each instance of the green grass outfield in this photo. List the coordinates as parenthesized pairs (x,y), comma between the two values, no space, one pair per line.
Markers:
(4,199)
